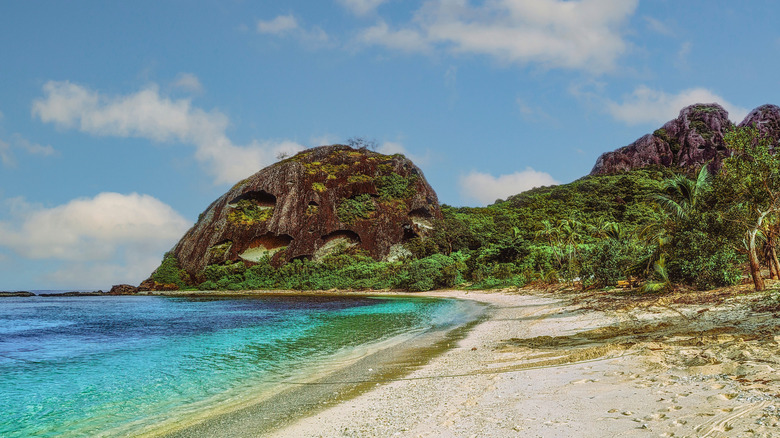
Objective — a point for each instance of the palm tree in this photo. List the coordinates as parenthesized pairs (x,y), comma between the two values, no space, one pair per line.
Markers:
(684,196)
(563,238)
(682,200)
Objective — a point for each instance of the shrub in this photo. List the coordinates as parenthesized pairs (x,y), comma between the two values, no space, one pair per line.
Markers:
(169,271)
(703,260)
(606,262)
(436,271)
(395,186)
(247,212)
(352,209)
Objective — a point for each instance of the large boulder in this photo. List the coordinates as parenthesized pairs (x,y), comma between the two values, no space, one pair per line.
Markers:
(693,139)
(307,206)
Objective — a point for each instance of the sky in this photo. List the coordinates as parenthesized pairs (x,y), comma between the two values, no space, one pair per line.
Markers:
(120,122)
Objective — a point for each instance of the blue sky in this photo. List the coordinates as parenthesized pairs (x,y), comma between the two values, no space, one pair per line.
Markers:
(121,121)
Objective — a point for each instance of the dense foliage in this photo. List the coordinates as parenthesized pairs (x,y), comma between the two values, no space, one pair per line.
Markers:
(653,227)
(169,272)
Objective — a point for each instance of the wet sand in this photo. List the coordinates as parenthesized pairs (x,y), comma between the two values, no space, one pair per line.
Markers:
(562,365)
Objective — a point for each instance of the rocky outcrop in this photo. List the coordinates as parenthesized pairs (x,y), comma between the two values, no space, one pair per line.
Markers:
(307,206)
(150,284)
(694,138)
(766,119)
(123,289)
(22,293)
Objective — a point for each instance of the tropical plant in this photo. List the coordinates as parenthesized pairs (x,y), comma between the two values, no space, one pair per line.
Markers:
(750,185)
(684,196)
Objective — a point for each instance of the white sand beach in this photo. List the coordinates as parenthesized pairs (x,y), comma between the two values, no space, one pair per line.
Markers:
(558,365)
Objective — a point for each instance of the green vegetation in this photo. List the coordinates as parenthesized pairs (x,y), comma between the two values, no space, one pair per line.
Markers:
(750,185)
(395,186)
(318,187)
(218,251)
(352,209)
(653,229)
(344,269)
(169,272)
(315,167)
(247,212)
(359,178)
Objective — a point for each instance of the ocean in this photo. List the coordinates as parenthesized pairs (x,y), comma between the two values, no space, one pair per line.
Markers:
(128,365)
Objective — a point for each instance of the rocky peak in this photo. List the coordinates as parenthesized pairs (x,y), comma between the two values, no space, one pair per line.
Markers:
(694,138)
(308,205)
(766,119)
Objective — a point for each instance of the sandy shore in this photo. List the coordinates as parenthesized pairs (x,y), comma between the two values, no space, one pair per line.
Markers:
(557,365)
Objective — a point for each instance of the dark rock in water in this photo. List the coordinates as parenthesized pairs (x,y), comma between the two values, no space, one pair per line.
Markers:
(76,294)
(150,284)
(123,289)
(694,138)
(21,293)
(306,206)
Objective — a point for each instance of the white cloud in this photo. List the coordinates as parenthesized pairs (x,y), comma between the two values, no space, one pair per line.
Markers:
(533,113)
(7,156)
(405,40)
(287,25)
(646,105)
(108,238)
(33,148)
(188,82)
(486,188)
(451,77)
(585,35)
(324,140)
(682,55)
(658,26)
(147,114)
(97,275)
(279,25)
(361,7)
(392,147)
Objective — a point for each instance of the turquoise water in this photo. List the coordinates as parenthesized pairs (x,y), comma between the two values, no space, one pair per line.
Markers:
(114,366)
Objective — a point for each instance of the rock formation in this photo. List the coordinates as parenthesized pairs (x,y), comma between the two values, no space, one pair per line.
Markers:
(22,293)
(123,289)
(307,206)
(766,119)
(691,140)
(695,137)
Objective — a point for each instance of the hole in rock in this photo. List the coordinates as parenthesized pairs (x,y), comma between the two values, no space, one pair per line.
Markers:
(422,219)
(421,212)
(409,233)
(265,245)
(261,198)
(337,240)
(312,208)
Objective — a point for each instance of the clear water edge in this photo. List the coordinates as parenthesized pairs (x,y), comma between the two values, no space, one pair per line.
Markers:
(253,384)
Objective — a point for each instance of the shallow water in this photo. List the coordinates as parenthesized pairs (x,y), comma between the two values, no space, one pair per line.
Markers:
(87,366)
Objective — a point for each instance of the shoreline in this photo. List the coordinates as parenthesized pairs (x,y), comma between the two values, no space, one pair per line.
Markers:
(557,364)
(308,394)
